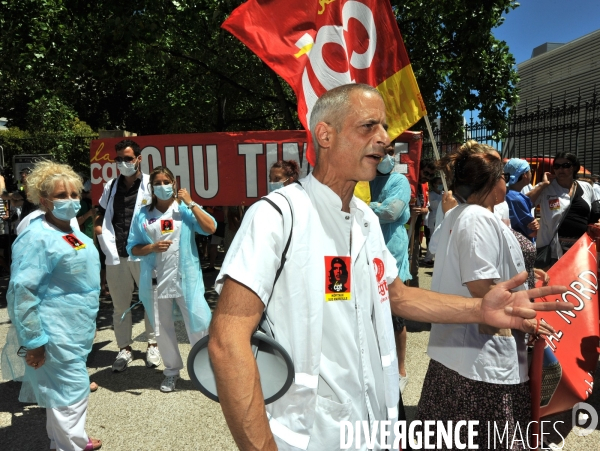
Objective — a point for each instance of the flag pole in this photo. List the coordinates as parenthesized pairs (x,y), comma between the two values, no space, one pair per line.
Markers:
(436,153)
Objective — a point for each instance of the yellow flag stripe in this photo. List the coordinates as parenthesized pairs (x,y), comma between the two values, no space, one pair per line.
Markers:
(304,50)
(403,102)
(362,190)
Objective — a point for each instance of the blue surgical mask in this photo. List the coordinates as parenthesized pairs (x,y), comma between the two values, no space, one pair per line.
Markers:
(386,165)
(275,185)
(163,192)
(440,187)
(66,210)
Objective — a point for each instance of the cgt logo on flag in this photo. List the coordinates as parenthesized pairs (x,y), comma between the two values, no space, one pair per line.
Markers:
(317,47)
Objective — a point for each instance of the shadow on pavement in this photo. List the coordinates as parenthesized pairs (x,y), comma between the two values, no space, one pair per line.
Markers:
(27,419)
(134,379)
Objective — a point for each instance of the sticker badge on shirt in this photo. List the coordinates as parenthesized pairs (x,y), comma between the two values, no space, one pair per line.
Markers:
(337,278)
(382,287)
(166,226)
(554,203)
(74,242)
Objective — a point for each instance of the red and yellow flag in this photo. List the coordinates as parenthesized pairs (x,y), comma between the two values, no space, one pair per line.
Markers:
(316,45)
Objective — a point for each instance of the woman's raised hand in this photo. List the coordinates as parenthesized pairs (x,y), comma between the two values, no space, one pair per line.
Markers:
(184,196)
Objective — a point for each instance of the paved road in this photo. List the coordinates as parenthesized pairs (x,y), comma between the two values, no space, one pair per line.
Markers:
(129,413)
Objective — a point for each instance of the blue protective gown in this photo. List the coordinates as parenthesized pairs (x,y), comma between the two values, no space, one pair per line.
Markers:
(52,302)
(519,209)
(192,282)
(390,201)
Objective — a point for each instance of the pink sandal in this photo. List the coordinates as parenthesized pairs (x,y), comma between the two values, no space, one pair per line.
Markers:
(90,445)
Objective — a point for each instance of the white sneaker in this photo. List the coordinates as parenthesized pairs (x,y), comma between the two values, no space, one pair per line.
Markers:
(123,359)
(168,385)
(153,358)
(403,382)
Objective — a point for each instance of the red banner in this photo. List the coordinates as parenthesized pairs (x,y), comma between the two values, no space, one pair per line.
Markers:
(225,168)
(321,44)
(570,355)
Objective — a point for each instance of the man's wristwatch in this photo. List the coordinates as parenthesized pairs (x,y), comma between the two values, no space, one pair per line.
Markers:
(193,204)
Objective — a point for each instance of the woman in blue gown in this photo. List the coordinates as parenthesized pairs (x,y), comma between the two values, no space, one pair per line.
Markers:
(52,303)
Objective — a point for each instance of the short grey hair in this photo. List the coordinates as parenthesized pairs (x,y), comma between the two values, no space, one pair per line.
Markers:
(332,108)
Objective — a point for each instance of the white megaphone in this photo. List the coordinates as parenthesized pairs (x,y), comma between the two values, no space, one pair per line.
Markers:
(275,367)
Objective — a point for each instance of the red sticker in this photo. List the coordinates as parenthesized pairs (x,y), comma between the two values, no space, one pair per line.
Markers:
(73,241)
(554,203)
(382,287)
(379,268)
(166,226)
(337,278)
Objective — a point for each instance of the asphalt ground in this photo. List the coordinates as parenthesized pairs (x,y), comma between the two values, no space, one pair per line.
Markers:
(128,412)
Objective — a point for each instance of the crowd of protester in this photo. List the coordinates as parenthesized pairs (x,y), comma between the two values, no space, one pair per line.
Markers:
(480,234)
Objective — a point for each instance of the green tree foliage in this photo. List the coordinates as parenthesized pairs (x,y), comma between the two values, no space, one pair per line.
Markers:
(167,67)
(56,131)
(458,63)
(150,67)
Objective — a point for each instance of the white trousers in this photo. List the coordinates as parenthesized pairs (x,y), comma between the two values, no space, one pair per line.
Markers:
(66,426)
(167,338)
(120,279)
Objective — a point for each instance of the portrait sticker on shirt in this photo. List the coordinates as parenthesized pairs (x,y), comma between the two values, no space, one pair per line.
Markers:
(74,241)
(166,226)
(554,203)
(382,287)
(337,278)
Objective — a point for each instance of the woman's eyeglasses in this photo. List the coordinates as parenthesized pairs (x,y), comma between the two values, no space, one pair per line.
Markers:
(562,165)
(125,159)
(505,176)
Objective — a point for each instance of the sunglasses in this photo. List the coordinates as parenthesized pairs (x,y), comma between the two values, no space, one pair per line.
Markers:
(505,176)
(125,159)
(563,165)
(428,174)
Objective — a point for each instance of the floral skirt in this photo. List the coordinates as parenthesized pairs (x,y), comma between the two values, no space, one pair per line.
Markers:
(529,254)
(448,396)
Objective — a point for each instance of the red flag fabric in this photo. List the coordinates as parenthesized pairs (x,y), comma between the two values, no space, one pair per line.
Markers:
(570,355)
(320,44)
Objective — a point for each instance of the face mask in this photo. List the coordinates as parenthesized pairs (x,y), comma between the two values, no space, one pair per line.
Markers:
(66,210)
(440,187)
(163,192)
(275,185)
(386,165)
(127,169)
(87,186)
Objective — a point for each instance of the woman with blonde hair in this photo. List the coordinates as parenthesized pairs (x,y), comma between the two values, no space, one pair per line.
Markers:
(162,234)
(52,303)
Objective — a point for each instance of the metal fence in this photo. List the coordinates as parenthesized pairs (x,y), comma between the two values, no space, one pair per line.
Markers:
(541,130)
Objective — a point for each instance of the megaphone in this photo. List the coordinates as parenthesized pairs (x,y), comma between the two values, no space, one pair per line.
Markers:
(275,367)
